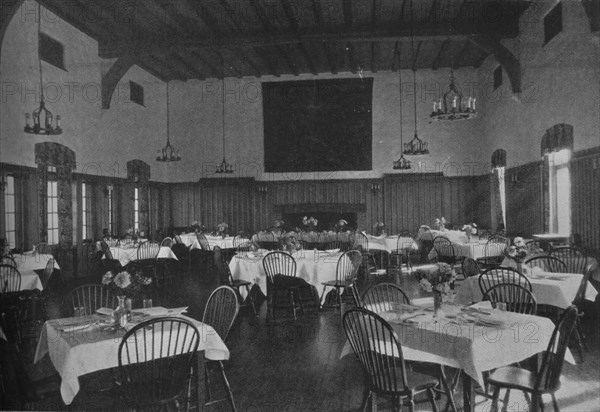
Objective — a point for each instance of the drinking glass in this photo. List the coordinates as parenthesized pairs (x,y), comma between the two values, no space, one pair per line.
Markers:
(147,303)
(79,311)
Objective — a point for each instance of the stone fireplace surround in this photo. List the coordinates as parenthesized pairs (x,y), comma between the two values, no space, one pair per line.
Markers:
(327,213)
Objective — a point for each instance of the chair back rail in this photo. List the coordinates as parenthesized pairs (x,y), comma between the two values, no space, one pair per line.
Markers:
(494,276)
(575,260)
(382,297)
(91,298)
(517,298)
(547,263)
(221,310)
(10,279)
(279,263)
(470,267)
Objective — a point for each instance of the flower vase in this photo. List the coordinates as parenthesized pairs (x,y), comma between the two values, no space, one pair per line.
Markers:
(120,313)
(437,302)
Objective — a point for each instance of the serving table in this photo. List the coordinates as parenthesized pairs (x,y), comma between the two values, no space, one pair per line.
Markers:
(78,346)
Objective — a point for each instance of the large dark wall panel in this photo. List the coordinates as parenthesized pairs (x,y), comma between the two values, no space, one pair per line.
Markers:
(585,194)
(524,200)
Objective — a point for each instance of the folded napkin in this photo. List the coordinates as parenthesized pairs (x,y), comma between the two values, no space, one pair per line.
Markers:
(160,311)
(75,327)
(105,311)
(332,250)
(396,317)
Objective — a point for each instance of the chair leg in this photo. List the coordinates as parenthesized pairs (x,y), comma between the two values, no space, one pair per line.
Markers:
(293,303)
(227,387)
(434,407)
(495,399)
(249,297)
(206,383)
(448,390)
(506,398)
(535,401)
(366,399)
(321,297)
(555,403)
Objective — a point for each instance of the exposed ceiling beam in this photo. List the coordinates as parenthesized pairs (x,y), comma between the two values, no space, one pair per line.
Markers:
(436,63)
(143,46)
(396,56)
(268,61)
(73,12)
(112,78)
(204,62)
(290,14)
(197,74)
(507,60)
(242,54)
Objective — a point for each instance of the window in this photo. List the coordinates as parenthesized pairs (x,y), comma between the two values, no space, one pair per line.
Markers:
(86,211)
(109,196)
(52,212)
(136,210)
(553,23)
(497,77)
(136,93)
(10,217)
(559,192)
(52,51)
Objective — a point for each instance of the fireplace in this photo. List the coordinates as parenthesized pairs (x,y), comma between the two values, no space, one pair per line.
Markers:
(328,214)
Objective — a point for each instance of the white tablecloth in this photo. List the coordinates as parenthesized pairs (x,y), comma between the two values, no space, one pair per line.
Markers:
(313,267)
(473,348)
(390,243)
(191,241)
(455,236)
(76,353)
(555,289)
(128,254)
(473,250)
(27,264)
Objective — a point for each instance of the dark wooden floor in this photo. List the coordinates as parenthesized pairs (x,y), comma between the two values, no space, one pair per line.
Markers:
(296,365)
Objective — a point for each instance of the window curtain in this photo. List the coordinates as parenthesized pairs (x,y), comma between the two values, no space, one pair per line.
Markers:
(498,189)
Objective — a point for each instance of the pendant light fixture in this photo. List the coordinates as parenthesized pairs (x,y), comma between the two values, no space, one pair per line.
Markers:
(41,113)
(402,163)
(223,167)
(168,153)
(416,146)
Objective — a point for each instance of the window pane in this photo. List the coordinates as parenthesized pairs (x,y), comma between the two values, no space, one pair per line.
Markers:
(10,204)
(10,221)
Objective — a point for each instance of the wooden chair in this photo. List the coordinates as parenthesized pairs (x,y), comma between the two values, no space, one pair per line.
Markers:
(401,255)
(446,251)
(379,352)
(91,298)
(493,251)
(8,260)
(495,276)
(547,378)
(220,312)
(470,267)
(167,242)
(147,251)
(575,260)
(109,262)
(382,297)
(39,299)
(280,268)
(43,249)
(10,279)
(345,277)
(578,302)
(152,372)
(517,298)
(203,241)
(547,264)
(226,278)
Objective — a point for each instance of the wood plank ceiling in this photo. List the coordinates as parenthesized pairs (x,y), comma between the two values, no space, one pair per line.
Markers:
(192,39)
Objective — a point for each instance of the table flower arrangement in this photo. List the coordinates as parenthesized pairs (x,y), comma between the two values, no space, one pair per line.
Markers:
(379,228)
(222,229)
(131,236)
(440,223)
(470,229)
(516,254)
(310,223)
(289,242)
(124,283)
(197,226)
(439,281)
(341,226)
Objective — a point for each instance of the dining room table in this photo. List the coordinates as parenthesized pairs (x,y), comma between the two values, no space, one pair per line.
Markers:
(313,266)
(28,265)
(473,339)
(473,248)
(390,243)
(553,289)
(191,241)
(128,253)
(87,344)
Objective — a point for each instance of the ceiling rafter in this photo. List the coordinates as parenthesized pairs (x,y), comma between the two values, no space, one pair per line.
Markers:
(111,78)
(268,61)
(76,18)
(436,62)
(201,60)
(269,28)
(289,13)
(510,64)
(375,9)
(190,68)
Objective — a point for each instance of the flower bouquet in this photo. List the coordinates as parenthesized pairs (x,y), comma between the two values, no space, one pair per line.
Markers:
(440,281)
(196,226)
(124,283)
(222,229)
(516,253)
(470,229)
(379,228)
(341,226)
(310,223)
(440,223)
(289,242)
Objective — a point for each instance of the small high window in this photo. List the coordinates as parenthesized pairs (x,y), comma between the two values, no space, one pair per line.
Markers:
(136,93)
(497,77)
(52,51)
(553,23)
